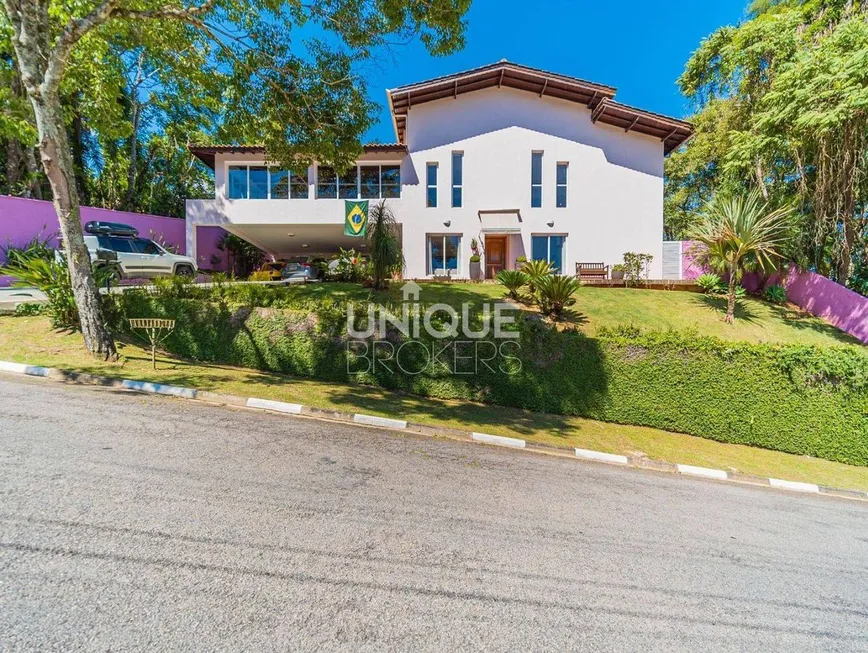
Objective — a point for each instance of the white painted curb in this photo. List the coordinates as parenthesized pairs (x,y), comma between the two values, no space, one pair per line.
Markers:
(599,456)
(371,420)
(21,368)
(499,440)
(795,486)
(703,471)
(279,406)
(159,389)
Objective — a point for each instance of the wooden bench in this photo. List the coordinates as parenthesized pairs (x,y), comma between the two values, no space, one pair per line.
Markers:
(594,270)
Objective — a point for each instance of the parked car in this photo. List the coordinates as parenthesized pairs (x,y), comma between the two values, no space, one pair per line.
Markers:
(136,257)
(299,271)
(274,269)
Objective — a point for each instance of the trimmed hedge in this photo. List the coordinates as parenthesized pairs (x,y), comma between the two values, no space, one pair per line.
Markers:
(792,398)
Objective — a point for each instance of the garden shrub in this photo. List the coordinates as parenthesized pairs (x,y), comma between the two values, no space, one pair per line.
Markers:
(797,399)
(775,295)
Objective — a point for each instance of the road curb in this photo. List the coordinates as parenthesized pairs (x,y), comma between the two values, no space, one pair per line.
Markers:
(587,455)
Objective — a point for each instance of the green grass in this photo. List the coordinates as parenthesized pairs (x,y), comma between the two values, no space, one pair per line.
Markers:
(30,340)
(756,320)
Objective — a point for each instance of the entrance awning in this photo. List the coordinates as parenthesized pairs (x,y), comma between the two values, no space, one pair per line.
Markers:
(500,221)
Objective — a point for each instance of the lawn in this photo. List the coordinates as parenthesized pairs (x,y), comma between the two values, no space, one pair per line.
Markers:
(756,320)
(30,340)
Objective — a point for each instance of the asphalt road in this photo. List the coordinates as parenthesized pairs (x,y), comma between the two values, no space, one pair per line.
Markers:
(130,522)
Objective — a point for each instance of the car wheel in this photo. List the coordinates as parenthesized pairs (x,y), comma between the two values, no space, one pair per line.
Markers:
(184,271)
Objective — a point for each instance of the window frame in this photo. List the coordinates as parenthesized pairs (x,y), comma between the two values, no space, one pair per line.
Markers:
(565,166)
(459,155)
(429,257)
(229,169)
(538,185)
(429,186)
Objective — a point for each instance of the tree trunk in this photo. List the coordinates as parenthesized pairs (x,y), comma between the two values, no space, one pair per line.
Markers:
(729,318)
(41,67)
(57,163)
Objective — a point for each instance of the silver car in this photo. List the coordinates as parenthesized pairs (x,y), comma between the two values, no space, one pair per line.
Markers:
(137,258)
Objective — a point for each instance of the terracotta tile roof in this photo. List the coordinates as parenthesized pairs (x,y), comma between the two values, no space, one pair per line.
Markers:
(544,83)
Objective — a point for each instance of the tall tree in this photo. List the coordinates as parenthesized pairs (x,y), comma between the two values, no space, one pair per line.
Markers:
(781,102)
(300,98)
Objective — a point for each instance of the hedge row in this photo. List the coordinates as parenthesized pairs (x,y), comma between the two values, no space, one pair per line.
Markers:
(791,398)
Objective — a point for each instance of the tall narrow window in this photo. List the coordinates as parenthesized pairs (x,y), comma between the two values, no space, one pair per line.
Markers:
(536,162)
(238,182)
(432,185)
(298,186)
(326,183)
(258,183)
(457,178)
(561,186)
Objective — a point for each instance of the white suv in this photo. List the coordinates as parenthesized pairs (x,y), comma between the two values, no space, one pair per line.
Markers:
(137,257)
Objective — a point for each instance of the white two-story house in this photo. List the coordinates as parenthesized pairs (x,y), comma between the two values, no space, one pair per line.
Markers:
(522,161)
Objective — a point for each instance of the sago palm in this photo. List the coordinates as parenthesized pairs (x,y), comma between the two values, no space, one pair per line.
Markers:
(742,232)
(536,271)
(512,280)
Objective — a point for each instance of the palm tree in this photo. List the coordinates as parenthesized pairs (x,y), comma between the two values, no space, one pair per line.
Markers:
(742,232)
(384,244)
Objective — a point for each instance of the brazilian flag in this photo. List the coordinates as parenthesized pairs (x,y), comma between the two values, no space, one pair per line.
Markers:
(357,218)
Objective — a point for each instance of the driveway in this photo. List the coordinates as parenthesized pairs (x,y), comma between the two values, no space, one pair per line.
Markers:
(132,522)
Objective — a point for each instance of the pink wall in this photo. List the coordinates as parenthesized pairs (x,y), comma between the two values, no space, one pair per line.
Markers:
(21,219)
(206,247)
(689,269)
(831,301)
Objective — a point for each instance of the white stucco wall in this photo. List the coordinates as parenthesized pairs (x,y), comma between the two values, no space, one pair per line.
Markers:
(615,191)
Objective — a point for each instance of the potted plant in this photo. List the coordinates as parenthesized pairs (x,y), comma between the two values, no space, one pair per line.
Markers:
(520,261)
(618,270)
(475,267)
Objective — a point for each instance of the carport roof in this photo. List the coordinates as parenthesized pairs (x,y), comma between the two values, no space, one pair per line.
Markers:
(206,153)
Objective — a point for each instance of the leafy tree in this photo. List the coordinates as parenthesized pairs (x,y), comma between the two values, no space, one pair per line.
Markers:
(384,244)
(739,232)
(299,98)
(781,106)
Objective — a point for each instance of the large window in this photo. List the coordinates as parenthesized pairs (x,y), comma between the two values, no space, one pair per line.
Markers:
(238,182)
(258,183)
(457,178)
(549,248)
(261,182)
(298,184)
(390,181)
(561,186)
(536,162)
(431,185)
(326,183)
(278,184)
(365,181)
(348,184)
(443,254)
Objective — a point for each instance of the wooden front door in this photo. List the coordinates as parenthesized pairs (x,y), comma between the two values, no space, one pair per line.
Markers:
(495,255)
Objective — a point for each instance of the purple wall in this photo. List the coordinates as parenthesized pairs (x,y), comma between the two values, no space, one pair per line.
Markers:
(689,269)
(21,219)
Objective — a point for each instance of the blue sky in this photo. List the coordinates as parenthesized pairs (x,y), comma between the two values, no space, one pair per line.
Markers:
(638,47)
